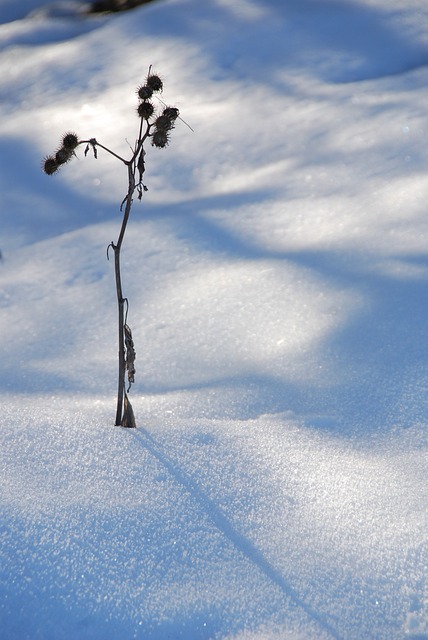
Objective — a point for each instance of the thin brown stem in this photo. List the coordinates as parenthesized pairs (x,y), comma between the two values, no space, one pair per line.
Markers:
(124,417)
(94,143)
(121,301)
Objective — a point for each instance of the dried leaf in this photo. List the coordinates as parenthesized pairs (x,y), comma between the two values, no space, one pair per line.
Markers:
(141,166)
(130,355)
(128,419)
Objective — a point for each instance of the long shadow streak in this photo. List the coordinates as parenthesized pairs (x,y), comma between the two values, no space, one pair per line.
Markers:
(242,543)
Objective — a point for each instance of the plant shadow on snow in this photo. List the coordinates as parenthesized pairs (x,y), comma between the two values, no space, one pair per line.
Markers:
(238,540)
(161,556)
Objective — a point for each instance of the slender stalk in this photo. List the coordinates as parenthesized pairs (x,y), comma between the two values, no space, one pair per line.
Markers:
(121,301)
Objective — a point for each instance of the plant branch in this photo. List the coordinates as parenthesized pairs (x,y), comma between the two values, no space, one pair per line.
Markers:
(94,143)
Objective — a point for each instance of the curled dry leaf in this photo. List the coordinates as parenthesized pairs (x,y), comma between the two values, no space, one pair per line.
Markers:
(130,355)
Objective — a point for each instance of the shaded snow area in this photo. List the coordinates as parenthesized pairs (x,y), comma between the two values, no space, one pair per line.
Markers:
(276,270)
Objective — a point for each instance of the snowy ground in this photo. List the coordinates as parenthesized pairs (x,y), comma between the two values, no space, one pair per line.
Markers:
(276,485)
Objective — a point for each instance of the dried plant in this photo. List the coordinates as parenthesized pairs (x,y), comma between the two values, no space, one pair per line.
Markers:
(156,128)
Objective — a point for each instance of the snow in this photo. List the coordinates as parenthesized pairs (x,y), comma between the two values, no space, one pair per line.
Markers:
(276,271)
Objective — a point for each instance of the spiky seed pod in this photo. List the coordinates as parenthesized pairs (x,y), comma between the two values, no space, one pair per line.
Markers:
(171,112)
(163,123)
(144,92)
(160,139)
(145,110)
(63,155)
(70,140)
(50,165)
(155,83)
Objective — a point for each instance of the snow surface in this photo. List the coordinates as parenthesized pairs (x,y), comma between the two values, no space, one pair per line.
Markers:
(276,485)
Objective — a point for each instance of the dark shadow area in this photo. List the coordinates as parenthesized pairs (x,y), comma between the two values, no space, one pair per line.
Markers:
(43,34)
(384,348)
(338,42)
(44,207)
(11,10)
(60,21)
(380,353)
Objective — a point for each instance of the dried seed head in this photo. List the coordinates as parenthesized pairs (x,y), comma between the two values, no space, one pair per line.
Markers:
(160,139)
(63,155)
(145,110)
(70,141)
(145,92)
(163,123)
(50,165)
(155,83)
(171,112)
